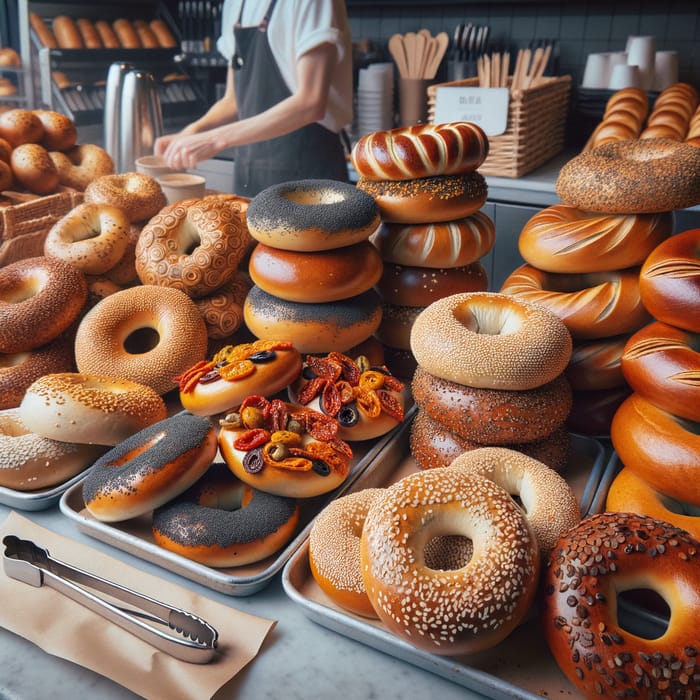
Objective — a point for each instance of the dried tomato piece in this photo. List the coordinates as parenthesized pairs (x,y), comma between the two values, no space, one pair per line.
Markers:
(323,367)
(323,451)
(276,415)
(311,390)
(392,383)
(341,446)
(390,404)
(297,462)
(321,427)
(255,400)
(350,370)
(236,371)
(251,439)
(345,390)
(330,400)
(189,378)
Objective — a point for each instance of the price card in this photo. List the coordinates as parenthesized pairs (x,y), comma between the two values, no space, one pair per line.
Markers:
(486,107)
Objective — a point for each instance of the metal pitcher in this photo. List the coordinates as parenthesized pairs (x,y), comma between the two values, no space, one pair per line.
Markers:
(112,109)
(141,121)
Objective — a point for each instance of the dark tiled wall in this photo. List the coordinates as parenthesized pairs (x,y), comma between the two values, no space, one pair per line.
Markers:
(581,27)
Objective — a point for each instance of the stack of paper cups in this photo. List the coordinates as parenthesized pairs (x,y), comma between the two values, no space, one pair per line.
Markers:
(665,69)
(641,51)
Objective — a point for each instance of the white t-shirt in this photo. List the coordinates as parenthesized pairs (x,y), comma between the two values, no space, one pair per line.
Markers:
(296,27)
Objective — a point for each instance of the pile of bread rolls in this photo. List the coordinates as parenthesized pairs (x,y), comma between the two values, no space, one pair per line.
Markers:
(39,153)
(656,430)
(675,115)
(65,32)
(432,239)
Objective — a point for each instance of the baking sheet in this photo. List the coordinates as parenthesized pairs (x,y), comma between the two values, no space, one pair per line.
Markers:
(521,667)
(134,536)
(37,500)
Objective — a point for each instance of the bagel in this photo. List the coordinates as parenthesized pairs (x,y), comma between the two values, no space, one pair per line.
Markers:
(139,196)
(80,165)
(34,169)
(591,305)
(490,341)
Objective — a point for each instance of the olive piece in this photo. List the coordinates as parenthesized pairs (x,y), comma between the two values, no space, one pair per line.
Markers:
(348,415)
(320,467)
(278,451)
(210,376)
(263,356)
(308,373)
(252,417)
(253,461)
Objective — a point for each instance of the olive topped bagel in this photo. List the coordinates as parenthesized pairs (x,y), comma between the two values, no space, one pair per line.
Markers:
(285,449)
(366,401)
(261,367)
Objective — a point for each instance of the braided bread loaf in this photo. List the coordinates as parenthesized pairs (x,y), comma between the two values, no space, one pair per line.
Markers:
(424,150)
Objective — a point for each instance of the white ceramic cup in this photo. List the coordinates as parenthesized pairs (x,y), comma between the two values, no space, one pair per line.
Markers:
(665,69)
(596,74)
(623,76)
(179,186)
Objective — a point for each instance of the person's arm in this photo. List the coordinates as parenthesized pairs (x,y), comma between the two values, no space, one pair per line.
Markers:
(223,111)
(307,105)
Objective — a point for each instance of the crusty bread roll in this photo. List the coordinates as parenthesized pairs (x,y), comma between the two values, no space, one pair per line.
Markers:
(89,34)
(44,34)
(127,35)
(66,32)
(164,35)
(107,36)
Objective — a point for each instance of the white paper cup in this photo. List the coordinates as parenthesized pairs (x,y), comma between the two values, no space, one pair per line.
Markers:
(596,74)
(179,186)
(665,69)
(623,76)
(155,166)
(641,51)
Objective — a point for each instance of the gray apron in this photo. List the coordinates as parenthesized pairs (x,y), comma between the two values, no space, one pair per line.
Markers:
(310,152)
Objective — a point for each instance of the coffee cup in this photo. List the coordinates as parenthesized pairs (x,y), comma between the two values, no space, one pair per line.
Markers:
(155,166)
(179,186)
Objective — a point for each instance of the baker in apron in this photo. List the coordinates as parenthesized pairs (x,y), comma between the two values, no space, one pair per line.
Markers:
(310,152)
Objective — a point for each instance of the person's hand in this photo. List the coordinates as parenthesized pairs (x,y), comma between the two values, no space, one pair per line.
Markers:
(162,143)
(185,151)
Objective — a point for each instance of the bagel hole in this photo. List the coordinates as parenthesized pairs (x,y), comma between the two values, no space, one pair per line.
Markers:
(14,359)
(141,341)
(487,320)
(448,552)
(643,612)
(314,197)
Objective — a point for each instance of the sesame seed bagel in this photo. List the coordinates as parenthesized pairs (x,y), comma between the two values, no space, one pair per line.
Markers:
(93,237)
(493,416)
(89,409)
(562,238)
(548,501)
(590,565)
(632,177)
(150,467)
(145,334)
(459,610)
(29,462)
(490,341)
(220,521)
(427,199)
(80,165)
(313,328)
(334,550)
(139,196)
(39,298)
(18,370)
(591,305)
(312,215)
(433,445)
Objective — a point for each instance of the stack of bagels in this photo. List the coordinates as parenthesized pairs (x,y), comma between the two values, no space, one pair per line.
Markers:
(583,258)
(312,266)
(490,373)
(425,181)
(656,431)
(39,153)
(674,114)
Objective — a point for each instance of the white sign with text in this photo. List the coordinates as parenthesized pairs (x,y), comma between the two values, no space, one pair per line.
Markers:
(486,107)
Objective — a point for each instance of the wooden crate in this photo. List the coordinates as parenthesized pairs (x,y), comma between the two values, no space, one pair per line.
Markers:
(23,226)
(535,127)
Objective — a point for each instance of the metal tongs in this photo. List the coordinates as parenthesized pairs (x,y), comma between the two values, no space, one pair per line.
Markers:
(25,561)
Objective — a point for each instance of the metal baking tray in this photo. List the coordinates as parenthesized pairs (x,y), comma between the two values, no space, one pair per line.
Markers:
(134,536)
(37,500)
(519,668)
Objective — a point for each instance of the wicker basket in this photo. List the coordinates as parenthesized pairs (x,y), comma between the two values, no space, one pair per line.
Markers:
(23,227)
(535,128)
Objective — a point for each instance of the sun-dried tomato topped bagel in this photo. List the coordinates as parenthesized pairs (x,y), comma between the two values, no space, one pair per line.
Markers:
(284,448)
(366,401)
(262,367)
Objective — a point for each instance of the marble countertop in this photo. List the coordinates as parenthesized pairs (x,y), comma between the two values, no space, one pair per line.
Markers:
(299,659)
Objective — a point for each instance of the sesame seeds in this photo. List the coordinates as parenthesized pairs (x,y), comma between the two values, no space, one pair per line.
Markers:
(448,611)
